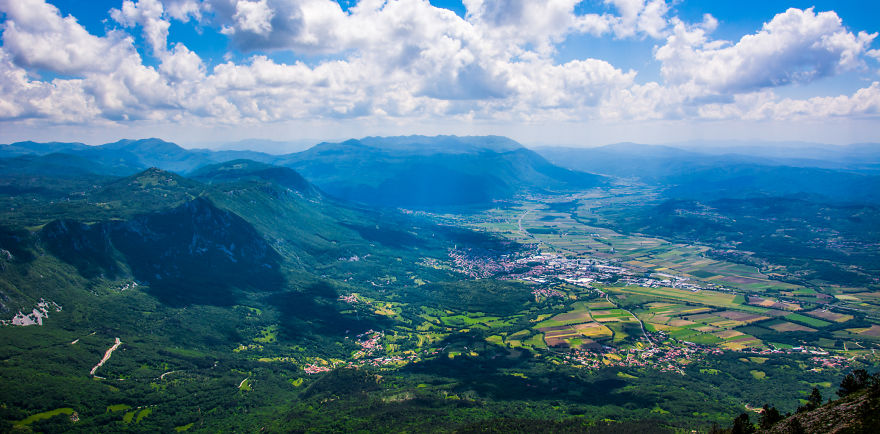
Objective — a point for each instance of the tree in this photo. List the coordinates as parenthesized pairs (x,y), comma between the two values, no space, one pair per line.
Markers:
(769,416)
(815,399)
(862,377)
(853,382)
(742,425)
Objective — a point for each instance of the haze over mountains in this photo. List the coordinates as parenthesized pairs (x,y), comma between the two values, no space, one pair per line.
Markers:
(838,173)
(396,171)
(653,161)
(419,171)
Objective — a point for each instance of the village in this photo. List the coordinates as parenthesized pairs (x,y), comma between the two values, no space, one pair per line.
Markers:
(542,268)
(665,357)
(548,270)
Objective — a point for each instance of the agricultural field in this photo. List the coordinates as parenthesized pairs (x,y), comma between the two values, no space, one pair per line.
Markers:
(563,227)
(557,303)
(678,291)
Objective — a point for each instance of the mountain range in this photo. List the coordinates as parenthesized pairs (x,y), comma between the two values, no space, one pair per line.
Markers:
(396,171)
(711,171)
(238,291)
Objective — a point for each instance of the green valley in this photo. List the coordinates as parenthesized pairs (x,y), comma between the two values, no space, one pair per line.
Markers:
(241,297)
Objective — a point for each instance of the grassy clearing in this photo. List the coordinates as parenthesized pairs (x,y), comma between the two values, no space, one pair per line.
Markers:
(803,319)
(706,298)
(142,414)
(44,415)
(268,335)
(117,407)
(536,341)
(245,385)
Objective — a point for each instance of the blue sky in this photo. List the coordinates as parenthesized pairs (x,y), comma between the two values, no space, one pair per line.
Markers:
(553,72)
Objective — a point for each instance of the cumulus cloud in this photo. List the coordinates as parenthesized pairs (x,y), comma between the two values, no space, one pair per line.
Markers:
(149,15)
(538,23)
(765,106)
(184,10)
(253,16)
(648,17)
(182,64)
(409,60)
(797,46)
(177,64)
(110,80)
(23,98)
(321,26)
(36,36)
(309,26)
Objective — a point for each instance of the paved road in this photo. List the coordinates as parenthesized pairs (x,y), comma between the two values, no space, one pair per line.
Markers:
(641,324)
(106,357)
(519,222)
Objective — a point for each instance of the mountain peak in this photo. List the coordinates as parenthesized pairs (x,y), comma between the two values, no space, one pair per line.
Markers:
(153,178)
(242,170)
(154,172)
(37,148)
(443,144)
(151,145)
(420,171)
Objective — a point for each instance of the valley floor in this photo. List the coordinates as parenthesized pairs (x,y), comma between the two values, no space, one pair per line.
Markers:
(564,324)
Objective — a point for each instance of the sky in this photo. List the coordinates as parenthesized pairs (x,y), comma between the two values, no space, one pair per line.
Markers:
(544,72)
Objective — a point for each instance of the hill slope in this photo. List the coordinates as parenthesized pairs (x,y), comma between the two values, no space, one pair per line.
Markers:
(248,170)
(854,414)
(432,171)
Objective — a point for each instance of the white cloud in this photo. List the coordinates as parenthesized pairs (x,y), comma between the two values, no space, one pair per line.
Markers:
(149,15)
(182,64)
(540,24)
(178,64)
(36,36)
(406,60)
(253,16)
(797,46)
(111,80)
(59,100)
(640,16)
(183,10)
(310,26)
(765,106)
(321,26)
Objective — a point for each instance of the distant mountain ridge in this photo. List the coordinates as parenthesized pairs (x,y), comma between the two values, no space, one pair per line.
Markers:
(440,171)
(126,157)
(414,171)
(36,148)
(656,161)
(443,144)
(838,174)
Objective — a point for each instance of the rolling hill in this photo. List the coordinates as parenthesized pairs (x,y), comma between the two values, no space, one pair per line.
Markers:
(654,163)
(709,173)
(411,171)
(432,171)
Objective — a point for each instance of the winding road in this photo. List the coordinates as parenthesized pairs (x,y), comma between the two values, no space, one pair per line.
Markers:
(520,219)
(107,355)
(641,324)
